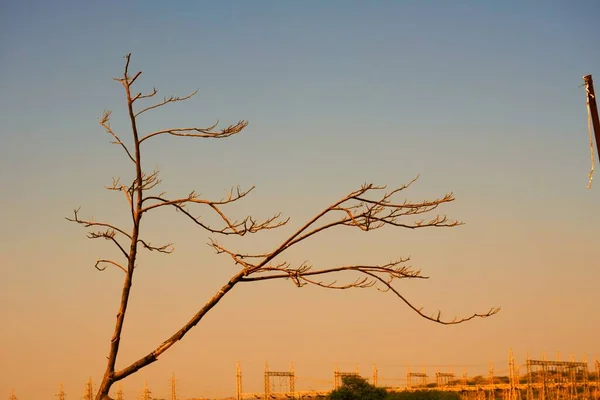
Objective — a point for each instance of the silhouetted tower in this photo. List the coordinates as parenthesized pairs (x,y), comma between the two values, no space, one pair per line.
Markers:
(374,375)
(279,375)
(119,393)
(238,381)
(492,391)
(146,392)
(88,391)
(513,375)
(173,388)
(61,393)
(12,395)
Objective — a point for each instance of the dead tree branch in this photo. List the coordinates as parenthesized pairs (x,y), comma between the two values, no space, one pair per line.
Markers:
(116,264)
(201,132)
(105,122)
(166,100)
(232,227)
(365,213)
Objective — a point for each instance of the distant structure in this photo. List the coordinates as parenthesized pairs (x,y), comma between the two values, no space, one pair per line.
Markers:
(88,391)
(173,388)
(145,395)
(539,379)
(291,378)
(61,393)
(557,379)
(421,378)
(374,375)
(444,378)
(543,380)
(12,395)
(238,381)
(119,393)
(337,376)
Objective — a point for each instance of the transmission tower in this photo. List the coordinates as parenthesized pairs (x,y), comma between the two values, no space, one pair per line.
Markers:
(12,395)
(238,381)
(119,393)
(145,395)
(492,391)
(337,376)
(443,378)
(173,388)
(374,375)
(422,378)
(291,377)
(88,391)
(513,371)
(61,393)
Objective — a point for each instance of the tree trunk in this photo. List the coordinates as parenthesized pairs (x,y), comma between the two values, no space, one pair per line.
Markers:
(104,389)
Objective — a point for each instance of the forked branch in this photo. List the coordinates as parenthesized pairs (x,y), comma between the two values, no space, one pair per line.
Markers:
(201,132)
(110,233)
(232,227)
(105,122)
(360,210)
(167,100)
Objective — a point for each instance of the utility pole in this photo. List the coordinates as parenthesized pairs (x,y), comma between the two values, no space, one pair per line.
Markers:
(593,121)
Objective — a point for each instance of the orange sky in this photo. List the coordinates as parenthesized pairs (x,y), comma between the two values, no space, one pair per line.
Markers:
(483,101)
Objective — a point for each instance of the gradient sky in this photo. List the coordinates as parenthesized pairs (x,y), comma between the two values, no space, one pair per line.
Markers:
(479,98)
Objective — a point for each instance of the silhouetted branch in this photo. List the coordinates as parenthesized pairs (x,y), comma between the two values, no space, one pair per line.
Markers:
(128,191)
(366,213)
(232,227)
(110,233)
(167,248)
(388,286)
(166,100)
(91,222)
(116,264)
(201,132)
(105,122)
(140,96)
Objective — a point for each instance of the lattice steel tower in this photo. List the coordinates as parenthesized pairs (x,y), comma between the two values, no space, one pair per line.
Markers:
(291,380)
(374,375)
(61,393)
(238,381)
(146,392)
(173,388)
(88,391)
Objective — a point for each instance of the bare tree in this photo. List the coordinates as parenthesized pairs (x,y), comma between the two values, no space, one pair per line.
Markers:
(368,208)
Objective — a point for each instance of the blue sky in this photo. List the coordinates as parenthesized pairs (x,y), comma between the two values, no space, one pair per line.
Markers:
(479,98)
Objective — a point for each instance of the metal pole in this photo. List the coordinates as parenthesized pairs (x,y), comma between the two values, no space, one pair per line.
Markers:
(591,100)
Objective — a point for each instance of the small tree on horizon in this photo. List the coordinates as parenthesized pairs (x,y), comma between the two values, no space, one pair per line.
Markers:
(368,208)
(356,387)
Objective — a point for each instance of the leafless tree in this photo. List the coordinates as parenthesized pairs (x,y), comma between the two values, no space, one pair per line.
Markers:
(368,208)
